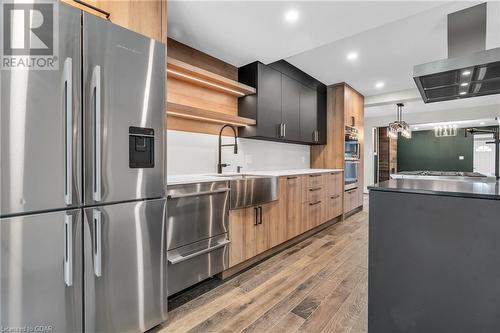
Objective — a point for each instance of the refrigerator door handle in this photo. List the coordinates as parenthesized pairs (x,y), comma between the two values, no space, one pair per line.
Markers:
(97,246)
(68,250)
(97,135)
(68,111)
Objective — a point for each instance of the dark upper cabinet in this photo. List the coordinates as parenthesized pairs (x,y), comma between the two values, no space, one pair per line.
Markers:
(290,108)
(308,115)
(265,106)
(289,105)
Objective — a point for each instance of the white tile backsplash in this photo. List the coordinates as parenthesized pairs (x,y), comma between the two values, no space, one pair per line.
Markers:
(195,153)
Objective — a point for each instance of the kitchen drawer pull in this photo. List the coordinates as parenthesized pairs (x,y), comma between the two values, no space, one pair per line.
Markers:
(292,177)
(317,175)
(180,258)
(197,194)
(335,196)
(314,203)
(315,189)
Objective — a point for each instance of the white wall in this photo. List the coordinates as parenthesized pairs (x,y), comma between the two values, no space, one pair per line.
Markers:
(195,153)
(472,113)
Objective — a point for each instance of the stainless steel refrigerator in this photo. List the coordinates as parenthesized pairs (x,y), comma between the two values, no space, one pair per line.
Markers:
(82,208)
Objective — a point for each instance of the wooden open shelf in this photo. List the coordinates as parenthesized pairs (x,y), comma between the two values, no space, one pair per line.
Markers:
(182,71)
(190,112)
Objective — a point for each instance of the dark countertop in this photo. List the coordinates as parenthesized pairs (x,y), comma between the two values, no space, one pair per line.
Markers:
(467,189)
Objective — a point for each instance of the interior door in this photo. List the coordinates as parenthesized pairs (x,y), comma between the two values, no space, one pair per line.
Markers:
(39,129)
(41,271)
(290,97)
(124,107)
(125,266)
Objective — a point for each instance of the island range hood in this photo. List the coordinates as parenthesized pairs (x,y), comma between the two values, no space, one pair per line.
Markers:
(470,69)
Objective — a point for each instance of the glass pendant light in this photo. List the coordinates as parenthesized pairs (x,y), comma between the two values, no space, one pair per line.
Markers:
(399,126)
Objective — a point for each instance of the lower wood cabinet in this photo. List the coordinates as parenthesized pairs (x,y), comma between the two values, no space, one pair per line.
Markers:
(291,205)
(351,199)
(304,202)
(312,214)
(252,230)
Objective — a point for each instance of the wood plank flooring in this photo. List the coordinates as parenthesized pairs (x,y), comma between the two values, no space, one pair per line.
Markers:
(317,285)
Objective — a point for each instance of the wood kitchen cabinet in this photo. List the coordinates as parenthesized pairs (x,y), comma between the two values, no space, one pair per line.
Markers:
(252,230)
(148,17)
(291,205)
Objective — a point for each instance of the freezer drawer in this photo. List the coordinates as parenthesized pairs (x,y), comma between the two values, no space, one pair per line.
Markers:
(193,263)
(196,212)
(40,136)
(124,107)
(125,266)
(41,272)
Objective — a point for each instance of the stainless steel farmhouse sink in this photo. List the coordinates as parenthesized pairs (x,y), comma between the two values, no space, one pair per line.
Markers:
(250,190)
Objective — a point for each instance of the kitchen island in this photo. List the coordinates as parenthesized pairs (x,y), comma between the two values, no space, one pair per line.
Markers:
(434,256)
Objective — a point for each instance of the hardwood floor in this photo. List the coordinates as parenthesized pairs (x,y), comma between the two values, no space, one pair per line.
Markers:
(318,285)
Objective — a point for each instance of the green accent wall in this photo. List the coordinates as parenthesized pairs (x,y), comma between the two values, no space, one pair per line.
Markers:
(426,152)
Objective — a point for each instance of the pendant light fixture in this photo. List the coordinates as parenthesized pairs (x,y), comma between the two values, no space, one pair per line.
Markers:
(399,126)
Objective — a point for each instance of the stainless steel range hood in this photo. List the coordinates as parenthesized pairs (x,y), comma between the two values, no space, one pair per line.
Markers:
(470,70)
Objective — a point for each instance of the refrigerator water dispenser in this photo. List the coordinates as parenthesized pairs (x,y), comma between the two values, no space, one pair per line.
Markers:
(141,147)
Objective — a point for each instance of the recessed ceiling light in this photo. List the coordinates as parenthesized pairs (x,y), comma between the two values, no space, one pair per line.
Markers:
(462,93)
(379,84)
(291,16)
(416,128)
(465,84)
(352,56)
(482,123)
(465,73)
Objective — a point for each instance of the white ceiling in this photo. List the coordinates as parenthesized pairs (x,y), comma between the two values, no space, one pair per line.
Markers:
(387,53)
(419,106)
(390,38)
(240,32)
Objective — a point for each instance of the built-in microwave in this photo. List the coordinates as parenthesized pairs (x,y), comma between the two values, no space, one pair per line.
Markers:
(351,170)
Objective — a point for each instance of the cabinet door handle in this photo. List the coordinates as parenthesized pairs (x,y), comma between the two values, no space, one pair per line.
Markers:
(335,196)
(256,211)
(315,175)
(353,122)
(315,189)
(284,130)
(260,213)
(314,203)
(292,177)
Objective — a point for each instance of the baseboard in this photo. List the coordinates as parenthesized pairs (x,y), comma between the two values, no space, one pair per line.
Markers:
(352,212)
(275,250)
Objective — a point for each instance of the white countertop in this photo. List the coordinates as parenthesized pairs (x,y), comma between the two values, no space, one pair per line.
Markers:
(202,178)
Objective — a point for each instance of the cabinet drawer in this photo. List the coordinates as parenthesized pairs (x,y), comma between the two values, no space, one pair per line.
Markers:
(314,180)
(334,206)
(350,200)
(314,194)
(312,214)
(334,183)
